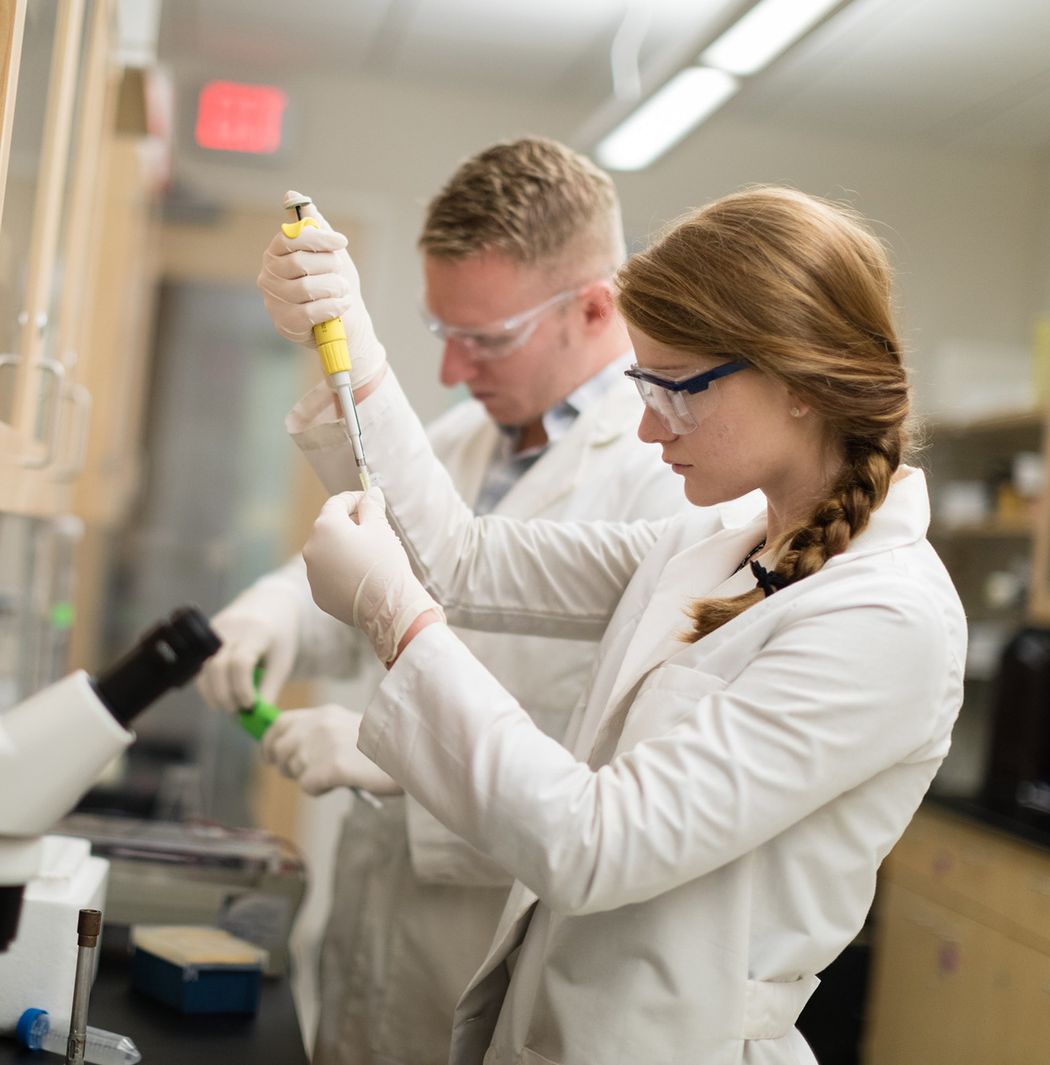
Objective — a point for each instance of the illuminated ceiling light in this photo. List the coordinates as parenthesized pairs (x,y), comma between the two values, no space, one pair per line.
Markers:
(763,33)
(665,118)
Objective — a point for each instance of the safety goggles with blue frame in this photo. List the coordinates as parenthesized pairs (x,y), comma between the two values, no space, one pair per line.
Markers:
(666,397)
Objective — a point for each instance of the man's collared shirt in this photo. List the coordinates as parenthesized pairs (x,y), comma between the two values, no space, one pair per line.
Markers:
(507,466)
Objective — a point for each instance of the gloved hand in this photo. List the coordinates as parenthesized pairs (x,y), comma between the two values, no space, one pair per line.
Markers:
(262,623)
(310,279)
(359,572)
(318,747)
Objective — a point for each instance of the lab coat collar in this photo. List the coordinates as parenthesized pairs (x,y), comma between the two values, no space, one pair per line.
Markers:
(690,574)
(592,390)
(743,511)
(602,423)
(903,518)
(698,569)
(619,411)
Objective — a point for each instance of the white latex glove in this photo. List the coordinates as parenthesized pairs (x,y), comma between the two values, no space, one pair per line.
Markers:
(262,623)
(310,279)
(359,572)
(318,748)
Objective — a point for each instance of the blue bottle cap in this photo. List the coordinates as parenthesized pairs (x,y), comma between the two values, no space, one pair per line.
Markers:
(26,1030)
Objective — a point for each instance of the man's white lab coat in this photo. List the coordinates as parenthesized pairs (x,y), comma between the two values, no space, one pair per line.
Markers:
(710,840)
(414,907)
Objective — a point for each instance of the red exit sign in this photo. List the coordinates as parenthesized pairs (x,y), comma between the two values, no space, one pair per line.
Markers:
(232,117)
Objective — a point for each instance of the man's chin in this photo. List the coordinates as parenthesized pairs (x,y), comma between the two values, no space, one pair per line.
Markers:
(499,411)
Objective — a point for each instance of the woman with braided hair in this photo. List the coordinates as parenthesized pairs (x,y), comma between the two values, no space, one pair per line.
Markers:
(774,690)
(821,334)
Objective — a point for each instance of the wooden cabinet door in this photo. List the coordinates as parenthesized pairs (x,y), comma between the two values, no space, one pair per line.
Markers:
(56,86)
(961,964)
(931,988)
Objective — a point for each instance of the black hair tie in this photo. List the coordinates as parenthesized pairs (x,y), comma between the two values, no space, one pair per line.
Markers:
(768,580)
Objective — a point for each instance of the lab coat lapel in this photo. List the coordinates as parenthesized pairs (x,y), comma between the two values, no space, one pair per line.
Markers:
(691,574)
(564,466)
(473,461)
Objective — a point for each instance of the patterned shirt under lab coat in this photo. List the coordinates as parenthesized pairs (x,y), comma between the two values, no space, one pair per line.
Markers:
(414,907)
(709,839)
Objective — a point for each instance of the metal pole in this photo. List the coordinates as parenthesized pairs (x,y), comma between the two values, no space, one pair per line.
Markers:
(89,925)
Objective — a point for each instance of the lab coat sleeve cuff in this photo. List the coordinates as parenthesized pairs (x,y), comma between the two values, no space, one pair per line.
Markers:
(391,720)
(319,431)
(320,434)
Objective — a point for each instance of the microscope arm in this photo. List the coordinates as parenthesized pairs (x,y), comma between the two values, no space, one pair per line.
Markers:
(53,746)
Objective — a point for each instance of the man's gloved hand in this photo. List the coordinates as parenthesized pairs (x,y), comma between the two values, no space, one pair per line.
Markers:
(359,572)
(318,748)
(310,279)
(260,624)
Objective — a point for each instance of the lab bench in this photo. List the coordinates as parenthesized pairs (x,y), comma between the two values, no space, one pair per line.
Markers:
(961,952)
(166,1037)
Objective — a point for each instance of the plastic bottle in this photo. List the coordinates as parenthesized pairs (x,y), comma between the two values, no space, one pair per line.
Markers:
(101,1048)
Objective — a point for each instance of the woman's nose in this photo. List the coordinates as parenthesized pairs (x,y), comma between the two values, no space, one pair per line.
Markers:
(651,430)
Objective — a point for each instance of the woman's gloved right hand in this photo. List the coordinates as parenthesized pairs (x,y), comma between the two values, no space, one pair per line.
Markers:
(309,279)
(260,627)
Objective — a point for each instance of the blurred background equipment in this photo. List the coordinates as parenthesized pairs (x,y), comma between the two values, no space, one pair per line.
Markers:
(244,881)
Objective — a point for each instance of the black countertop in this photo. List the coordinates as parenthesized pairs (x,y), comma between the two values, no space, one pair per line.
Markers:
(166,1037)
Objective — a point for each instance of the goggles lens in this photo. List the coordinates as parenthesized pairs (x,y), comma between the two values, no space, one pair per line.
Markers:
(670,407)
(681,403)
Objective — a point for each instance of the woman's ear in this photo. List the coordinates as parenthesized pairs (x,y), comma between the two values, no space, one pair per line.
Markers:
(797,408)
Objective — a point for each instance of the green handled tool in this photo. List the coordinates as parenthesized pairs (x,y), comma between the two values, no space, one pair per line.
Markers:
(258,717)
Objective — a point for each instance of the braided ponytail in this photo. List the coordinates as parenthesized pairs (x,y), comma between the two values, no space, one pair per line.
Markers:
(800,288)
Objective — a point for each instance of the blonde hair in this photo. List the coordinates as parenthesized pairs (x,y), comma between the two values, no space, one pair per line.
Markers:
(534,200)
(801,289)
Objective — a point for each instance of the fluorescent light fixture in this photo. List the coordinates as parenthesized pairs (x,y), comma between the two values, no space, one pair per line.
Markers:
(763,33)
(665,118)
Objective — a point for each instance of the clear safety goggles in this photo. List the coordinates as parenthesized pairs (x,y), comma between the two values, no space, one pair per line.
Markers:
(499,339)
(672,399)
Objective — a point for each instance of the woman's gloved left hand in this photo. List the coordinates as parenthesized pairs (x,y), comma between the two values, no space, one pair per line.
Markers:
(318,748)
(360,574)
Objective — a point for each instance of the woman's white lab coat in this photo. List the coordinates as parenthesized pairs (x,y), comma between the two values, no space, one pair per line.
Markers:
(710,840)
(415,907)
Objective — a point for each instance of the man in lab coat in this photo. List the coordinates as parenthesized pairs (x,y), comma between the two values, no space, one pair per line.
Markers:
(518,249)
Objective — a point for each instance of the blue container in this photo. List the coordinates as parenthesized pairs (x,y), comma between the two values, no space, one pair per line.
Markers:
(197,988)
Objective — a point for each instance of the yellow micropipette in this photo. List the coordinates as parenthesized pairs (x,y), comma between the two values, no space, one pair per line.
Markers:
(332,347)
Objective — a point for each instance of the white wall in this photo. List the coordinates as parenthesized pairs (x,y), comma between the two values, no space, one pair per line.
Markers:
(377,153)
(967,231)
(961,227)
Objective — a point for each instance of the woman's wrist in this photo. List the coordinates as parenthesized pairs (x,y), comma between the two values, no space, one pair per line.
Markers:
(428,617)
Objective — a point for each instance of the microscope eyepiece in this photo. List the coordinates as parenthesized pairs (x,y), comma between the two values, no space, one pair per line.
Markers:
(166,657)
